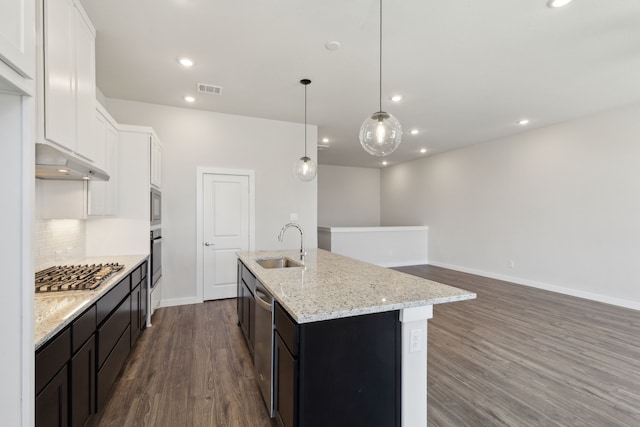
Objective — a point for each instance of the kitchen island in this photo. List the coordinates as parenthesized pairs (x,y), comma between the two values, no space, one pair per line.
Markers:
(384,312)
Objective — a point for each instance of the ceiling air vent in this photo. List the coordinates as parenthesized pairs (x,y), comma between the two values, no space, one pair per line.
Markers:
(210,89)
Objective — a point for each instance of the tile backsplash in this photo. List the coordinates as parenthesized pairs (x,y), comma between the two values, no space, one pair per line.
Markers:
(58,241)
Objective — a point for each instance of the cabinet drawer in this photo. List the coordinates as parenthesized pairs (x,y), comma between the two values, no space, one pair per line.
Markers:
(111,330)
(143,270)
(109,372)
(136,276)
(249,279)
(110,301)
(83,328)
(51,358)
(288,329)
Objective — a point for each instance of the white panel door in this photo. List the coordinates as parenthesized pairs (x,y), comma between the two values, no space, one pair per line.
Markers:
(225,231)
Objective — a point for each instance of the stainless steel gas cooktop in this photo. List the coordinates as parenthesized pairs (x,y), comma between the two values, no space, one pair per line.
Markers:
(74,277)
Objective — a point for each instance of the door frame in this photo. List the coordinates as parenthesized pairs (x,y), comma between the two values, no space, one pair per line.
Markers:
(201,171)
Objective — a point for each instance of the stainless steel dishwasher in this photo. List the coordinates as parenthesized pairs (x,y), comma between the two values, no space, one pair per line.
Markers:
(263,358)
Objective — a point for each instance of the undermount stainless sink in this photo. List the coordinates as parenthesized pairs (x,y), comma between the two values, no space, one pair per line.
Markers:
(278,263)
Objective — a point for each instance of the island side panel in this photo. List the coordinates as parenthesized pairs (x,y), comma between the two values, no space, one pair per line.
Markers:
(414,365)
(350,371)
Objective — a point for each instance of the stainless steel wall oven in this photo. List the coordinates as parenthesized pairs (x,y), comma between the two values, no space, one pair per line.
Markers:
(156,256)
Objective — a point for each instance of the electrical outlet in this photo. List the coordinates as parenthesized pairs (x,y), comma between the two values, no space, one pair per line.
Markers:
(415,341)
(511,264)
(293,217)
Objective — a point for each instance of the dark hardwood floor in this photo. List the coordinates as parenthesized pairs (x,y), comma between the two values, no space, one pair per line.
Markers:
(516,356)
(519,356)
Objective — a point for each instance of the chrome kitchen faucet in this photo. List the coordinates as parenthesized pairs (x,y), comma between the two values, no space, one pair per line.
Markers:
(281,236)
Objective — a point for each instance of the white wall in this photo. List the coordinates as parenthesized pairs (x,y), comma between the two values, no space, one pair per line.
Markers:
(348,197)
(192,138)
(562,202)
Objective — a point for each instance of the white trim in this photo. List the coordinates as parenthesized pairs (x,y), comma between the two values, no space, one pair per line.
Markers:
(28,261)
(412,314)
(174,302)
(403,263)
(200,172)
(635,305)
(376,229)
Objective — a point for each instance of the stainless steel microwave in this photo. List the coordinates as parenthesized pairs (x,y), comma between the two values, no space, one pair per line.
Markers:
(156,207)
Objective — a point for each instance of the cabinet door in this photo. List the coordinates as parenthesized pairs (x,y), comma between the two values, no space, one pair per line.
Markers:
(136,304)
(239,294)
(156,163)
(85,88)
(83,385)
(103,195)
(17,36)
(244,321)
(111,157)
(59,72)
(52,403)
(144,304)
(285,373)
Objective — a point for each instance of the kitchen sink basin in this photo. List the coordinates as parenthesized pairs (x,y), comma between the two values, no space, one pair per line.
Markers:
(278,263)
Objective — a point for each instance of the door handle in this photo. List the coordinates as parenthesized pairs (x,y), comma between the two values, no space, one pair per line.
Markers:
(209,244)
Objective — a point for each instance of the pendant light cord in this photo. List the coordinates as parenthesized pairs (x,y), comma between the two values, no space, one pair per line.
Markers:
(380,56)
(305,120)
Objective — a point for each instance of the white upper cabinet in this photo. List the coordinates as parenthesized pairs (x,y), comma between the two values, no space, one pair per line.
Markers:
(69,78)
(17,41)
(156,162)
(85,84)
(59,74)
(102,199)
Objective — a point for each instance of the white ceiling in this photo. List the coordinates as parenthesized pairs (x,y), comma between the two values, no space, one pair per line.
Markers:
(468,69)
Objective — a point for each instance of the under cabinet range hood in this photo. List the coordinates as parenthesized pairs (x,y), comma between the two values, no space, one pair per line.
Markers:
(52,163)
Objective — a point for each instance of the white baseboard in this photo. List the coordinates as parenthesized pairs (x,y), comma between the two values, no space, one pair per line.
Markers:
(172,302)
(635,305)
(403,263)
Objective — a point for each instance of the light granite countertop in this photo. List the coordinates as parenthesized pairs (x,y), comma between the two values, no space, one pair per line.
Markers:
(332,286)
(55,310)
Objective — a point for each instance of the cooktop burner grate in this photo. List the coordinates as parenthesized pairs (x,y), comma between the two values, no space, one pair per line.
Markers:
(74,277)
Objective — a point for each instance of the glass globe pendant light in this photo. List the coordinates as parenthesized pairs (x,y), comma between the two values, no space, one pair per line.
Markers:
(305,168)
(381,133)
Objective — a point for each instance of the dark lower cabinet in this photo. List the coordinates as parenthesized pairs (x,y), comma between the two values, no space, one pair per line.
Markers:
(340,373)
(52,403)
(83,385)
(246,305)
(109,371)
(136,320)
(76,369)
(285,377)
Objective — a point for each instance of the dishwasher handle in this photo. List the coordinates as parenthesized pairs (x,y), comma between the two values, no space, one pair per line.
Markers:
(262,302)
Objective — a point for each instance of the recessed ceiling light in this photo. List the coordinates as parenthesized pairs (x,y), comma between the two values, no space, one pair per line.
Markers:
(423,150)
(86,178)
(385,163)
(414,131)
(63,170)
(523,122)
(334,45)
(325,140)
(186,62)
(558,3)
(396,98)
(189,98)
